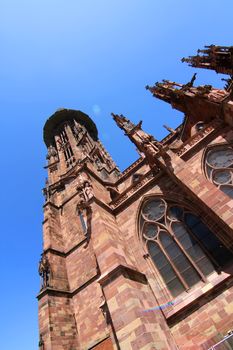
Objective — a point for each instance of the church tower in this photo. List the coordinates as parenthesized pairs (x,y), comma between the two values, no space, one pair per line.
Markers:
(141,259)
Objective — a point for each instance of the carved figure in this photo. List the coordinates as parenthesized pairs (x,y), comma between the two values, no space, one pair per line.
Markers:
(187,86)
(44,271)
(52,152)
(46,191)
(41,342)
(97,162)
(84,187)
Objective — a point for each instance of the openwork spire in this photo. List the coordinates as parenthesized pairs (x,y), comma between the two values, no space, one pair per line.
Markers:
(218,58)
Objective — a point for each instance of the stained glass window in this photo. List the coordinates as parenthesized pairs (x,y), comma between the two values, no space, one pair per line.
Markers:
(180,245)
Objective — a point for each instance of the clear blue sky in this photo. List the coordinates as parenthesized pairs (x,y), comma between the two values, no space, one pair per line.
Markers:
(92,55)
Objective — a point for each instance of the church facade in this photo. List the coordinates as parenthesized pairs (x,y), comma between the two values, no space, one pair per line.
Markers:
(142,259)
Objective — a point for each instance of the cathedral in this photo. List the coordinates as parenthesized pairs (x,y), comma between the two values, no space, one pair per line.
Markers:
(142,259)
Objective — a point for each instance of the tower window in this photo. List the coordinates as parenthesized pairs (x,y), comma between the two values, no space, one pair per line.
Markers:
(181,246)
(219,167)
(63,136)
(68,152)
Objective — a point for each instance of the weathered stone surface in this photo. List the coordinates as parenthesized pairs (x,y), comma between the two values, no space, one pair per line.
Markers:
(103,280)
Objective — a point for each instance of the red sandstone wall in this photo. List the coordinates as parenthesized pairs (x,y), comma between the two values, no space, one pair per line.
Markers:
(81,266)
(90,321)
(207,325)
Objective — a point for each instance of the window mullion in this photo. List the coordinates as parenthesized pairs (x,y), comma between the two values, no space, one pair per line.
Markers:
(189,258)
(202,246)
(173,266)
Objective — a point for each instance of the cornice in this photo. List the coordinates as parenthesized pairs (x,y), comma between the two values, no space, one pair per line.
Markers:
(65,253)
(187,146)
(128,171)
(127,271)
(134,189)
(65,293)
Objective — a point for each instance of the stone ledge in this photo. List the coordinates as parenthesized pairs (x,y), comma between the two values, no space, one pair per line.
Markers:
(65,293)
(65,253)
(197,299)
(126,271)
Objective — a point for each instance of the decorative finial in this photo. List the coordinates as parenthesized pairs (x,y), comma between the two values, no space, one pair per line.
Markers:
(169,129)
(123,123)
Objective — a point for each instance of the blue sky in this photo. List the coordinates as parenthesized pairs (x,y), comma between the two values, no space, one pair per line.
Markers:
(92,55)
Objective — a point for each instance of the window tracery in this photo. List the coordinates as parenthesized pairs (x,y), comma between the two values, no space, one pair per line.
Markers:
(181,246)
(219,167)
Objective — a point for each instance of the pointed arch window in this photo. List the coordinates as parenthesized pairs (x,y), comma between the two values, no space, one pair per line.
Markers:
(219,167)
(181,246)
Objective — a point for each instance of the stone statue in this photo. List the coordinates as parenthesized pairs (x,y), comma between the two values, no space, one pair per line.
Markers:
(46,191)
(84,187)
(97,162)
(44,271)
(41,342)
(52,152)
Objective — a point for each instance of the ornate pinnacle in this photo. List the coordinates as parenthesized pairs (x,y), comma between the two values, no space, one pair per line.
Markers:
(168,128)
(180,95)
(169,91)
(144,142)
(124,123)
(218,58)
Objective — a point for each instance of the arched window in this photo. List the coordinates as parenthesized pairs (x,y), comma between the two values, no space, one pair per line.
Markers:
(182,248)
(219,167)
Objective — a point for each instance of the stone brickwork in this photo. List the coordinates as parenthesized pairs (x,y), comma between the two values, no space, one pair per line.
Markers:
(100,283)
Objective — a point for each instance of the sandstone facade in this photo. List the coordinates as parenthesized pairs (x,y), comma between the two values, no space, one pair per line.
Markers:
(157,235)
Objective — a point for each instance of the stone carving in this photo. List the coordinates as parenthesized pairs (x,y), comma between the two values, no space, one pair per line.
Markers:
(44,271)
(52,153)
(98,162)
(84,188)
(146,143)
(123,123)
(145,180)
(187,86)
(41,342)
(196,138)
(77,130)
(46,191)
(130,168)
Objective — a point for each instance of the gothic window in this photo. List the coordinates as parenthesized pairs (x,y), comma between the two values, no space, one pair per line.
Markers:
(219,167)
(63,136)
(182,248)
(68,152)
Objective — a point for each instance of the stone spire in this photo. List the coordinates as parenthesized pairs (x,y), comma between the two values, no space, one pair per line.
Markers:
(183,97)
(145,143)
(218,58)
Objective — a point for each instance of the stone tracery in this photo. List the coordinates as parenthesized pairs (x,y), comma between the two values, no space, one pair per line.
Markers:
(219,167)
(182,248)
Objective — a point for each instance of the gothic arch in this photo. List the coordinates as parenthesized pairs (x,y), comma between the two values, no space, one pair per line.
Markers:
(182,248)
(217,165)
